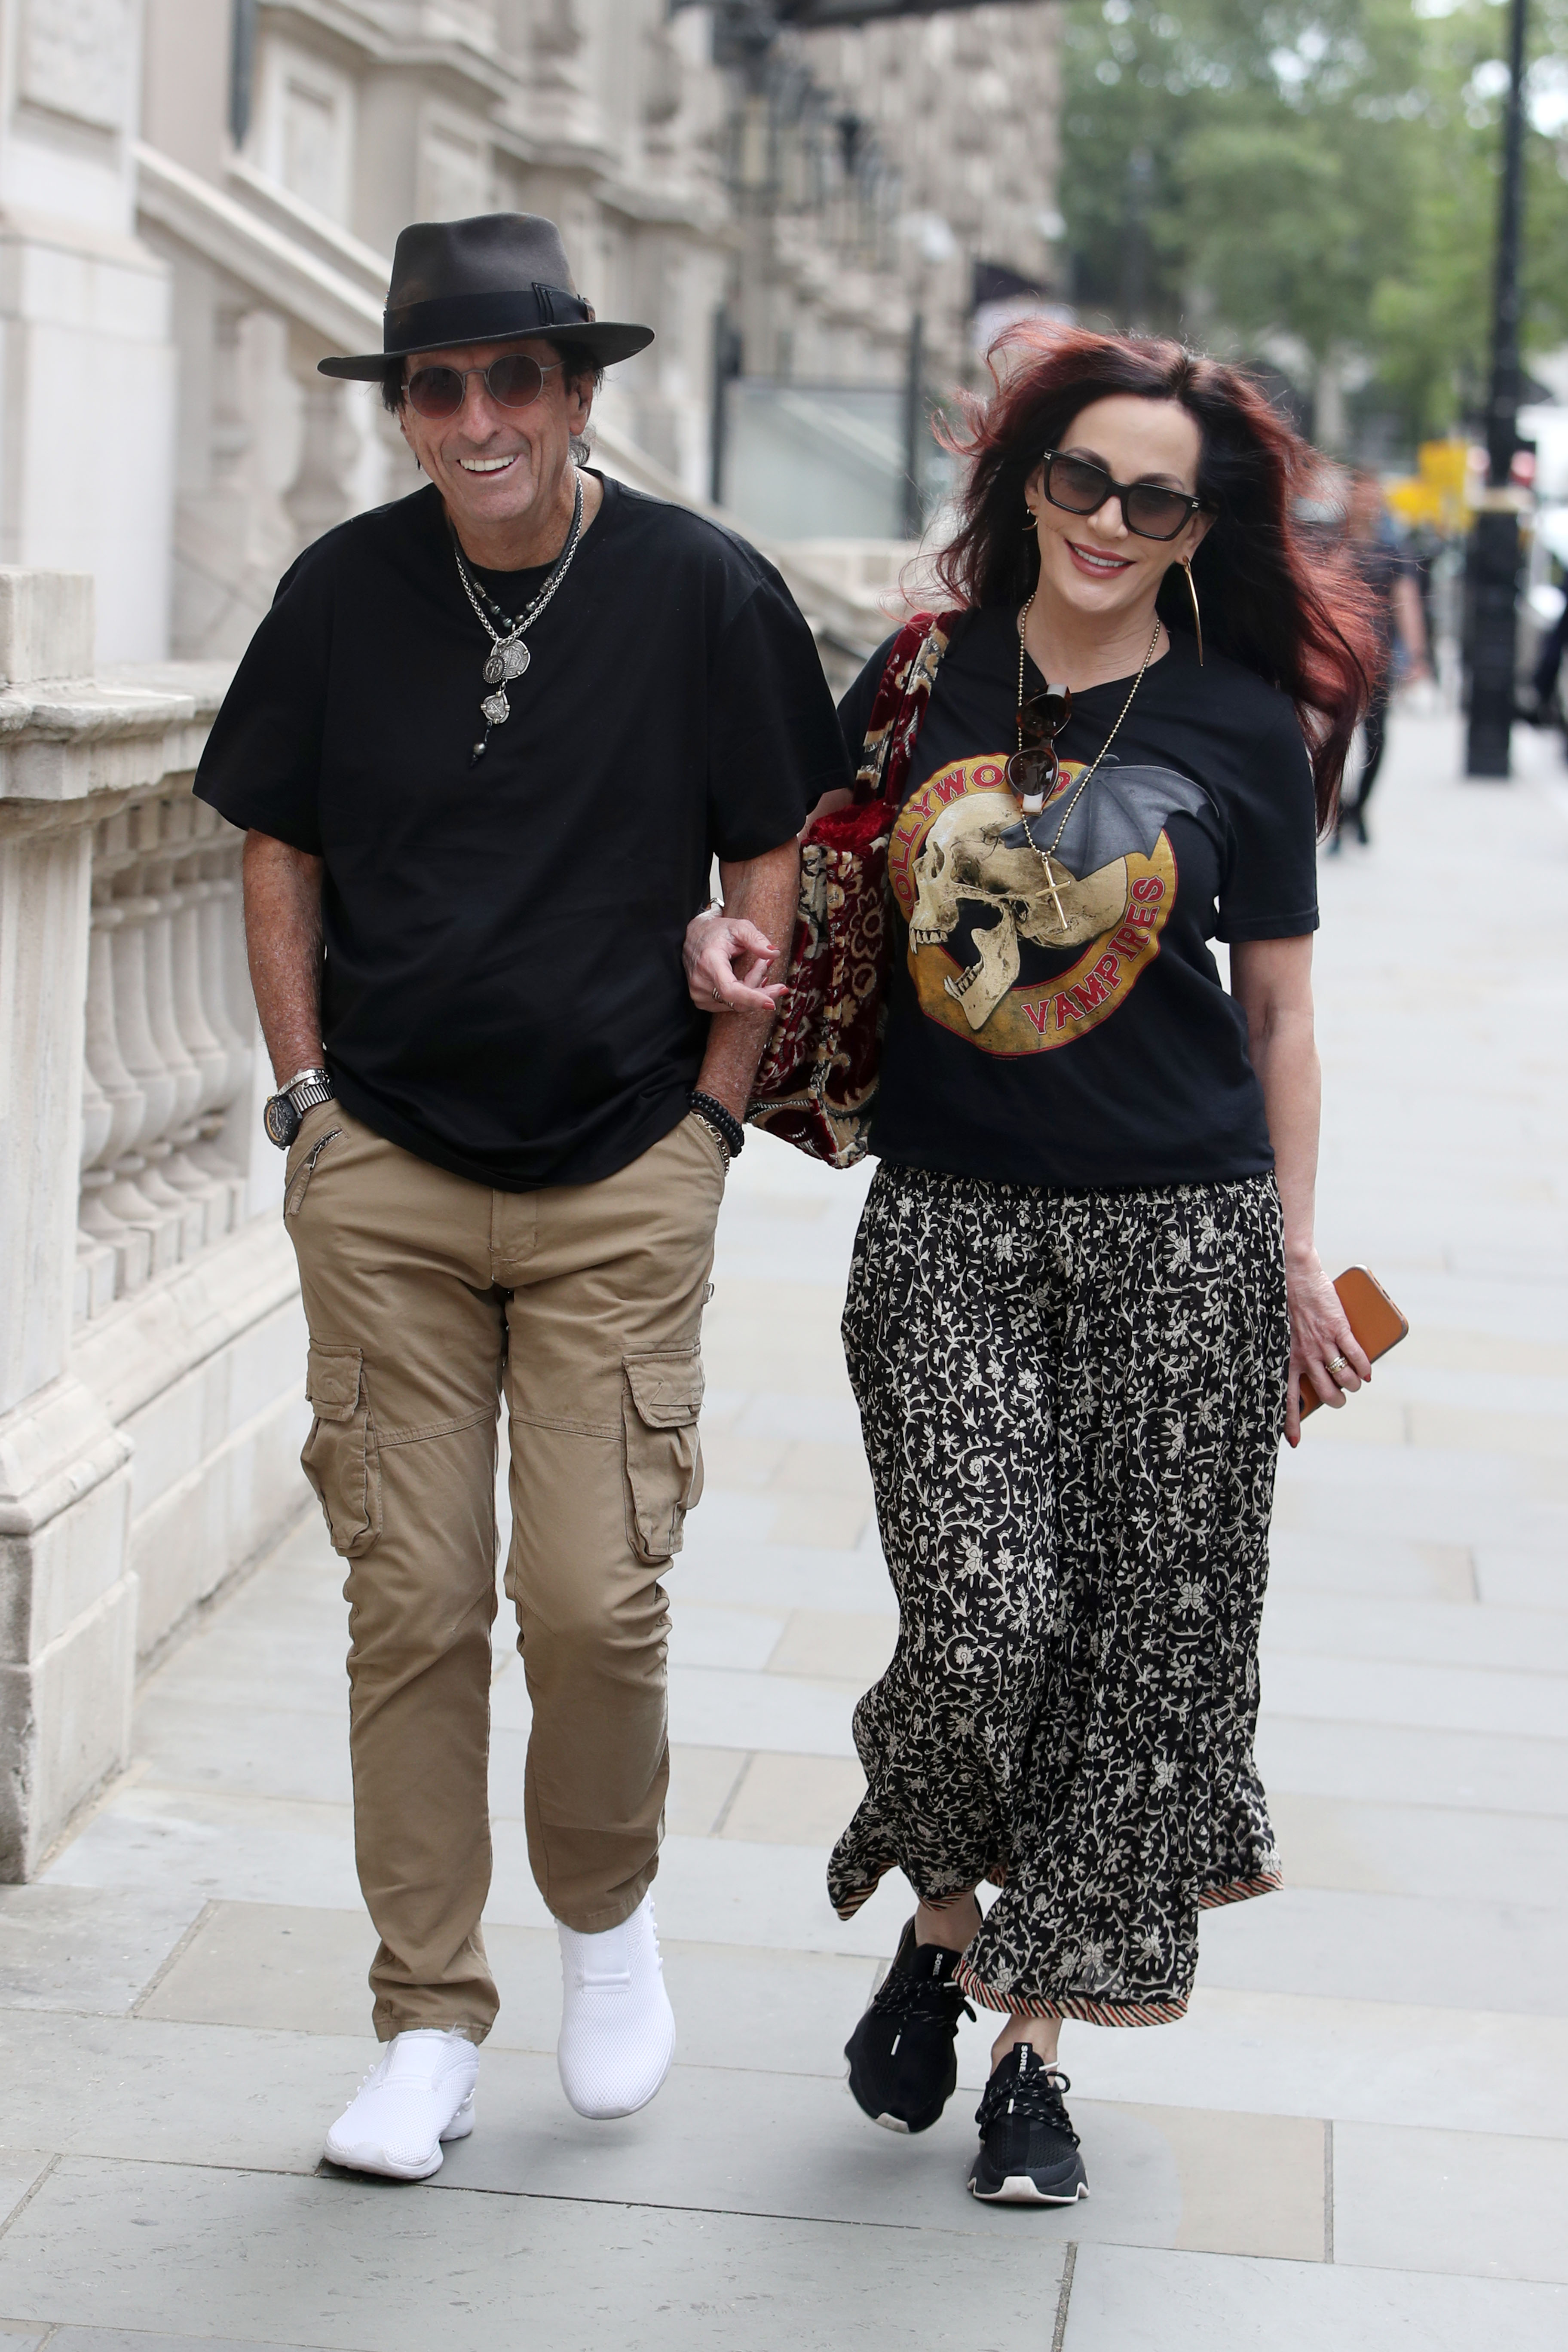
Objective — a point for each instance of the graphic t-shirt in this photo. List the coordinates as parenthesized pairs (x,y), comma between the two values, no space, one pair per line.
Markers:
(503,993)
(1080,1036)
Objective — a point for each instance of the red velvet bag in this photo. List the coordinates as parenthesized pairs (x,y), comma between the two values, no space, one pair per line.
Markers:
(817,1081)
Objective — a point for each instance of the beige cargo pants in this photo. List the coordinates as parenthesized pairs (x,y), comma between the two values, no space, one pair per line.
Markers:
(426,1297)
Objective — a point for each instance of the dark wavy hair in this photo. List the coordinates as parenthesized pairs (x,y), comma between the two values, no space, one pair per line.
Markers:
(1283,604)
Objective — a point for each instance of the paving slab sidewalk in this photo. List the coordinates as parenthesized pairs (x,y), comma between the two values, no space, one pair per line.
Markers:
(1355,2138)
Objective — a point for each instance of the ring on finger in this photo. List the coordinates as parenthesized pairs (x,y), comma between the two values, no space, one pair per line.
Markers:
(1337,1364)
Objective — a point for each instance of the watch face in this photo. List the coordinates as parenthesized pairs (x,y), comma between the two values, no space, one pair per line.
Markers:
(282,1121)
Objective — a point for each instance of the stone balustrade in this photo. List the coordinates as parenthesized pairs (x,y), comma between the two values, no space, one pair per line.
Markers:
(151,1342)
(169,1051)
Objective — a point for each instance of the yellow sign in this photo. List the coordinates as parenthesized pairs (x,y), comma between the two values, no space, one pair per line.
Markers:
(1439,493)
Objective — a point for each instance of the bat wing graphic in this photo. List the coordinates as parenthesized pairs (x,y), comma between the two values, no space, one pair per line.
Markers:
(1123,809)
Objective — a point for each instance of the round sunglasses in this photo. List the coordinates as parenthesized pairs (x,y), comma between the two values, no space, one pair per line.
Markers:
(1034,767)
(514,382)
(1081,489)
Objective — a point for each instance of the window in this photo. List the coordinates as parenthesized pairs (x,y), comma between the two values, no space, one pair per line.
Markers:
(453,181)
(302,134)
(309,144)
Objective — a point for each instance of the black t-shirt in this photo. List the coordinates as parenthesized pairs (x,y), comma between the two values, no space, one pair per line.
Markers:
(503,991)
(1089,1045)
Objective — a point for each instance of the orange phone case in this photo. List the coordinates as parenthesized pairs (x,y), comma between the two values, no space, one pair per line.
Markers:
(1371,1315)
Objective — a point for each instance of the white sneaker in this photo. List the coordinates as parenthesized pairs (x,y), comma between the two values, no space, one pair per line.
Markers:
(618,2029)
(419,2093)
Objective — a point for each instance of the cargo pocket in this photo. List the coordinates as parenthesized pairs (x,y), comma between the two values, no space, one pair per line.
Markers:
(340,1459)
(664,1460)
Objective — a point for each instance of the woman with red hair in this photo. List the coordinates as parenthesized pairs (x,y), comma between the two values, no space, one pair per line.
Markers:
(1085,1289)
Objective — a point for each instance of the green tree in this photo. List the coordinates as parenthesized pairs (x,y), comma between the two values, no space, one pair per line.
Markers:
(1321,171)
(1432,314)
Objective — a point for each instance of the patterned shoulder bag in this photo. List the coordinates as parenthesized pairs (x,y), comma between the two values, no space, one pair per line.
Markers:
(817,1082)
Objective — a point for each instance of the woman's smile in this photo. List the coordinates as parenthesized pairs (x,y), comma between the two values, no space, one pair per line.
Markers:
(1095,561)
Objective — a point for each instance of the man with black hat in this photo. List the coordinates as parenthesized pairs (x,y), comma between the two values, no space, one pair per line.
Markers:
(485,748)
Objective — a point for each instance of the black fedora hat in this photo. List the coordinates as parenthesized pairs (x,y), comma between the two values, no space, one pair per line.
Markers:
(483,282)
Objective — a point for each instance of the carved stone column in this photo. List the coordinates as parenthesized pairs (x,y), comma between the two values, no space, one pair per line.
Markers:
(104,1146)
(320,495)
(562,101)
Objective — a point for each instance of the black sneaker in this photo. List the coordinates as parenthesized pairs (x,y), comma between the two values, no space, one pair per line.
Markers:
(903,2055)
(1028,2149)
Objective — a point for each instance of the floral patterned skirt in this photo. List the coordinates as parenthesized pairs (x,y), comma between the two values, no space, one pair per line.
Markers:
(1072,1404)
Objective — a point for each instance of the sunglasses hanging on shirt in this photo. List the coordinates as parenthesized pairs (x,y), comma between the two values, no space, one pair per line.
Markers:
(1034,771)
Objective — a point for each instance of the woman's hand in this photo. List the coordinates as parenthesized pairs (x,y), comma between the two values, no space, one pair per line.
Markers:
(1271,980)
(726,959)
(1319,1332)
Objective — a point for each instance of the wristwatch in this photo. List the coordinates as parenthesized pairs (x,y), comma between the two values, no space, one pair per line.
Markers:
(294,1097)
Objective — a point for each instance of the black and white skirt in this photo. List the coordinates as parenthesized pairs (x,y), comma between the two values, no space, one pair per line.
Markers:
(1072,1404)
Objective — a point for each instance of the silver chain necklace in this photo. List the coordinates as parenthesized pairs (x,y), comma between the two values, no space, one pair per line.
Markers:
(508,656)
(1034,802)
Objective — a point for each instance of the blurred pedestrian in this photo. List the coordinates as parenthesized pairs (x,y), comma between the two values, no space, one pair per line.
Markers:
(1422,549)
(1547,710)
(1085,1287)
(1388,574)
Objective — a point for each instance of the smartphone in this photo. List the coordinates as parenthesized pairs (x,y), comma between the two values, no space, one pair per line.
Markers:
(1371,1315)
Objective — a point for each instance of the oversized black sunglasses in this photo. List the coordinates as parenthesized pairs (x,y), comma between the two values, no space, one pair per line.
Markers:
(514,382)
(1081,489)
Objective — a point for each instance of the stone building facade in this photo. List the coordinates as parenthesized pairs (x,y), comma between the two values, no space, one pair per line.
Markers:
(200,197)
(963,108)
(197,201)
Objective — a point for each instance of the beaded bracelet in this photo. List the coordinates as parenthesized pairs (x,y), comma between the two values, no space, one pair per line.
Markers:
(730,1133)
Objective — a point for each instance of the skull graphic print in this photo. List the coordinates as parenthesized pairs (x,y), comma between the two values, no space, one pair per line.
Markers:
(971,877)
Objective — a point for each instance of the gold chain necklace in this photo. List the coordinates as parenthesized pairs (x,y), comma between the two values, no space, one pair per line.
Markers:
(1046,856)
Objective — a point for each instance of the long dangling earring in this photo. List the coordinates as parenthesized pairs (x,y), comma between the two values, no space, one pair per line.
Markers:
(1197,616)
